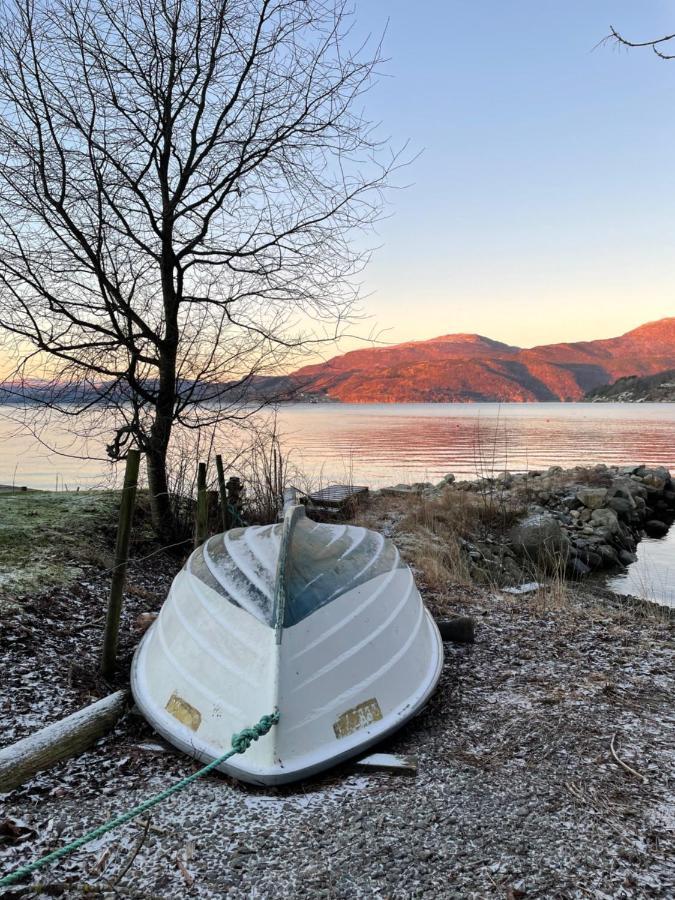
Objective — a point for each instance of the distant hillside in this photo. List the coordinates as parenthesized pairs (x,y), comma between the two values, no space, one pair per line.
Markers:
(659,388)
(462,368)
(470,367)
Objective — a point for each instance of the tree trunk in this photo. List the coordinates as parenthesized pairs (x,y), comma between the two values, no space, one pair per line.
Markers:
(158,485)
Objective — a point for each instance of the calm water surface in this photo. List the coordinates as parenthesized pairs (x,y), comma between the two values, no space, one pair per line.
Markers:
(652,577)
(377,444)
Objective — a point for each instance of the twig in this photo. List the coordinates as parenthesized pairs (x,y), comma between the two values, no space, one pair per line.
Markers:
(134,853)
(624,765)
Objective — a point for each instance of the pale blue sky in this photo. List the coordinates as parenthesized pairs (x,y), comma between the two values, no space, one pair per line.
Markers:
(542,207)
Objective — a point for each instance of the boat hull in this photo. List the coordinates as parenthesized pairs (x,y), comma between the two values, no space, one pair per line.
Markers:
(322,623)
(241,767)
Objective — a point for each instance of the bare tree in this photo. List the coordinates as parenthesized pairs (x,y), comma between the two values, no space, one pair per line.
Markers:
(180,183)
(659,45)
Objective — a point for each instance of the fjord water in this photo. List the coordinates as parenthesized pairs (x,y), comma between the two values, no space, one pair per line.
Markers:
(379,444)
(652,575)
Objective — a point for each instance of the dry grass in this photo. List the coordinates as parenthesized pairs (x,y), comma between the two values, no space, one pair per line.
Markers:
(433,532)
(467,515)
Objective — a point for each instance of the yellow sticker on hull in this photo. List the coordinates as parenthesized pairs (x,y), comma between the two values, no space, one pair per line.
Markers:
(359,717)
(183,711)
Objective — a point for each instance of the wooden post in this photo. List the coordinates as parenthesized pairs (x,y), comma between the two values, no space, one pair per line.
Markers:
(234,487)
(222,490)
(201,525)
(460,629)
(63,739)
(112,625)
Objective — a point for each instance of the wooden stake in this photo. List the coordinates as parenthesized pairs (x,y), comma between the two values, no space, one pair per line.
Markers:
(202,524)
(222,490)
(112,625)
(61,740)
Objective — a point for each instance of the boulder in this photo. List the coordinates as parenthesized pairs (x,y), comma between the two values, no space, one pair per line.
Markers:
(576,568)
(605,518)
(656,478)
(539,537)
(592,498)
(656,528)
(609,555)
(622,506)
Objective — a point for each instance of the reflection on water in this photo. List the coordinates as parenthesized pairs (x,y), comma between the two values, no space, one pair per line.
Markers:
(382,443)
(652,576)
(378,444)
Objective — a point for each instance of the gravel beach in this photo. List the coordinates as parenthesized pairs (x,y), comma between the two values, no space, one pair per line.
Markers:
(518,793)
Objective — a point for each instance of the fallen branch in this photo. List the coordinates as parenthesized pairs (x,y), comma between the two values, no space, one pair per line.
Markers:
(59,741)
(624,765)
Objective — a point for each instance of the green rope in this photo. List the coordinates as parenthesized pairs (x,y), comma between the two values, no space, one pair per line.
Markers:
(240,744)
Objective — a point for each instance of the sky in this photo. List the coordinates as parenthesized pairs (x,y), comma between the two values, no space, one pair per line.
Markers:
(541,206)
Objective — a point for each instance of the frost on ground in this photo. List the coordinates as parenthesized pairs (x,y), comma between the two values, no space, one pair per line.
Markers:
(517,795)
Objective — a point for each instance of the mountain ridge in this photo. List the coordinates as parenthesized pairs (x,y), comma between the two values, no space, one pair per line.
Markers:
(475,368)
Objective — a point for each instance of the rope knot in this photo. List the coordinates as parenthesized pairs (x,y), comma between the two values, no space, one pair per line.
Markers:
(242,740)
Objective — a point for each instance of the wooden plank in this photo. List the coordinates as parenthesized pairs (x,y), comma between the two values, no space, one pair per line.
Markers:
(337,495)
(388,762)
(222,490)
(202,512)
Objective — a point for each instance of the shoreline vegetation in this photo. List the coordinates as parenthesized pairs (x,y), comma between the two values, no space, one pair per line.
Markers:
(557,721)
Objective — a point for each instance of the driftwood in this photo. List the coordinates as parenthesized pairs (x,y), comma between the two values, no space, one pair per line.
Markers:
(460,629)
(63,739)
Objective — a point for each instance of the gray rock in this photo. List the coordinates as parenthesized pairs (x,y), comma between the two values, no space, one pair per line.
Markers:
(656,478)
(539,537)
(626,557)
(656,528)
(622,506)
(609,555)
(605,518)
(592,498)
(576,568)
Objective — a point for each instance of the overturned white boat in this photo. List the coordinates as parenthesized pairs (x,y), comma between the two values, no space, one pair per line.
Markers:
(322,622)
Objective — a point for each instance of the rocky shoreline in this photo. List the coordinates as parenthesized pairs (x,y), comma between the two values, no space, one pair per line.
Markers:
(659,388)
(569,523)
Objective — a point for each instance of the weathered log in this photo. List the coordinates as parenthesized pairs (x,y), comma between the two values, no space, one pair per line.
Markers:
(59,741)
(460,629)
